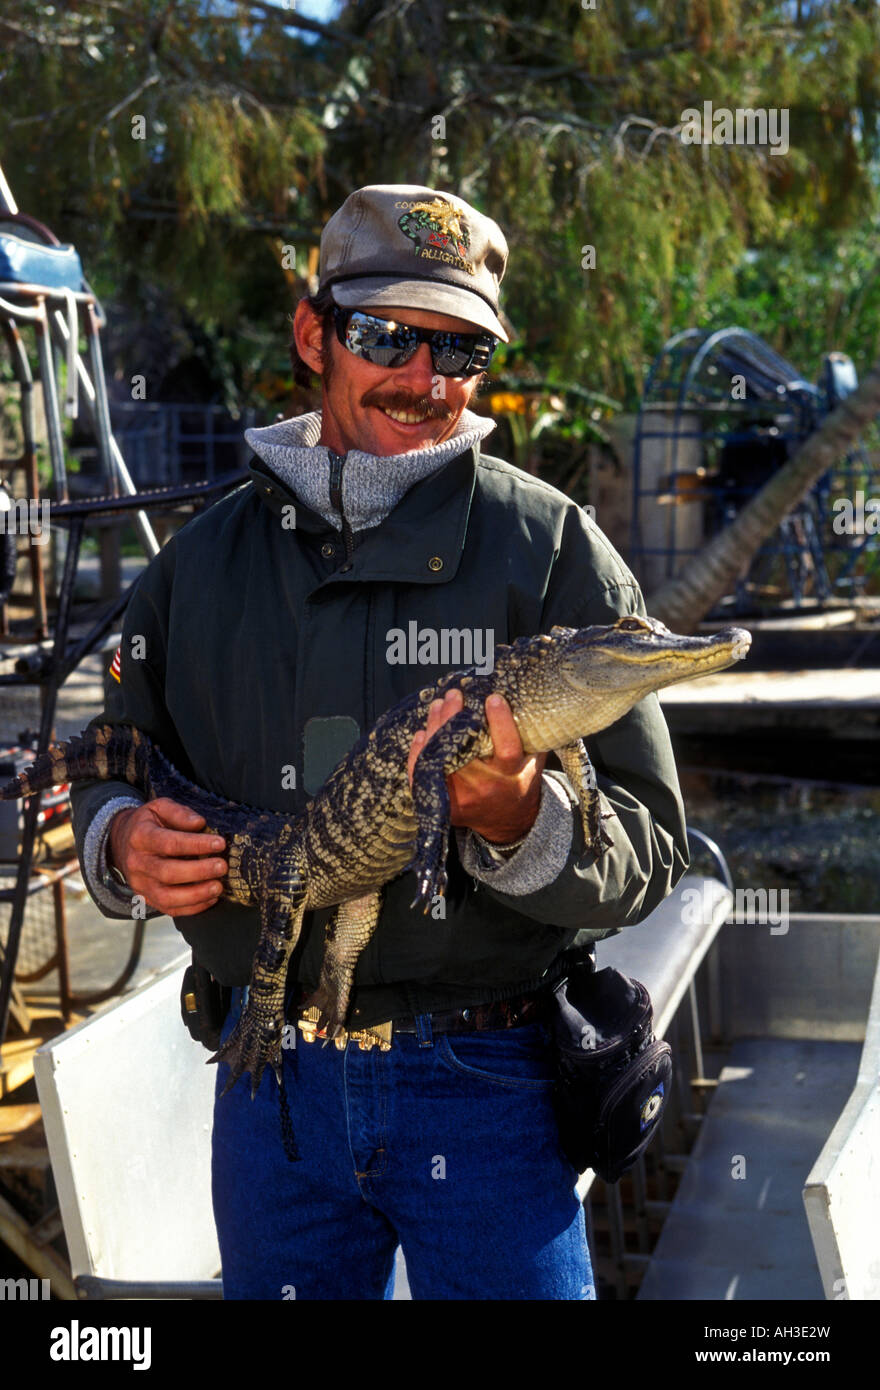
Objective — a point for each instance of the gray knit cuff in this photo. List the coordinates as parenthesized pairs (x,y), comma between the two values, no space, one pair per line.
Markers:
(539,859)
(113,901)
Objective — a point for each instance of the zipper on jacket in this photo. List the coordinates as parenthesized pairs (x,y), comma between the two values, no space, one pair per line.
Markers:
(337,462)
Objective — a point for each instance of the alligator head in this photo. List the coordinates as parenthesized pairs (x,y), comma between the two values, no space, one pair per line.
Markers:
(591,676)
(621,664)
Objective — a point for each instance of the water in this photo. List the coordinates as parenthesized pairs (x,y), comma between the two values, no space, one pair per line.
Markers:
(818,839)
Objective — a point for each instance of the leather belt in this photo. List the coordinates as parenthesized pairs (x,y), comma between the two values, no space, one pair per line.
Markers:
(505,1013)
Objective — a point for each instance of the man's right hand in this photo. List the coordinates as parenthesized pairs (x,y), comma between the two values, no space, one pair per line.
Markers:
(162,856)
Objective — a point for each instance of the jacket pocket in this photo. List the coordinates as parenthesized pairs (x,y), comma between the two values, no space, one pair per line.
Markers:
(515,1058)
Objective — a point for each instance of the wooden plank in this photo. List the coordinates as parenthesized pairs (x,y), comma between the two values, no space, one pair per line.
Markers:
(19,1014)
(58,839)
(15,1118)
(17,1054)
(45,1262)
(48,1228)
(22,1138)
(830,689)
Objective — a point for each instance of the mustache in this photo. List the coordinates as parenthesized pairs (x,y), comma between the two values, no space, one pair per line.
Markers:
(404,400)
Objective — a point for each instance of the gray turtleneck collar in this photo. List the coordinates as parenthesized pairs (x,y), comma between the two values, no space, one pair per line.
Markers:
(372,485)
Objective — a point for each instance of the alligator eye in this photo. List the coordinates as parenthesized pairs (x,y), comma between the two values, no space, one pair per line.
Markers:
(633,624)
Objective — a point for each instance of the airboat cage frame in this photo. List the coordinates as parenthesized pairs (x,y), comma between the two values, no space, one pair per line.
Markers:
(59,314)
(721,411)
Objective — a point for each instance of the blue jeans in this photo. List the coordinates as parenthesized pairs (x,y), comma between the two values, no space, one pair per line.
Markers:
(447,1147)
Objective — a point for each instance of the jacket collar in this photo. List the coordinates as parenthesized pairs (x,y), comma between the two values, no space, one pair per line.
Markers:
(419,542)
(364,487)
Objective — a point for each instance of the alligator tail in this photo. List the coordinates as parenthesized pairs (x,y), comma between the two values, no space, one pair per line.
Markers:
(108,752)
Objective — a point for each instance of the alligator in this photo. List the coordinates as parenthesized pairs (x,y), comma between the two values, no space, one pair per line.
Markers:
(366,825)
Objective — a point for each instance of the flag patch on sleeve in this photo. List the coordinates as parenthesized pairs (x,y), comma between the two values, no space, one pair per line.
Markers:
(115,670)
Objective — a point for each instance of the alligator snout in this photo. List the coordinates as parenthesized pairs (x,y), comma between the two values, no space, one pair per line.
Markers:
(738,639)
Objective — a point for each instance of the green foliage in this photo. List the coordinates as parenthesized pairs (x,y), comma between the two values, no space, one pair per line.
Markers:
(566,130)
(562,123)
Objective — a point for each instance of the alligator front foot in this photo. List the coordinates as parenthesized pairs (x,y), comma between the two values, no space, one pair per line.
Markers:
(597,837)
(253,1044)
(430,869)
(580,772)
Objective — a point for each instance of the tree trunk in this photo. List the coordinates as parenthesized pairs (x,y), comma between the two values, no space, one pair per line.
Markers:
(707,576)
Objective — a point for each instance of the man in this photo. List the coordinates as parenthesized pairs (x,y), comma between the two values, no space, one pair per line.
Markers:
(271,635)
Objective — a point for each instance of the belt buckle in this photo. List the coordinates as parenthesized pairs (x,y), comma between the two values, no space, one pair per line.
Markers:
(366,1038)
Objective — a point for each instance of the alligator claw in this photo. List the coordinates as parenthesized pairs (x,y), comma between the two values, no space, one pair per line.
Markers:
(597,836)
(430,866)
(431,886)
(250,1047)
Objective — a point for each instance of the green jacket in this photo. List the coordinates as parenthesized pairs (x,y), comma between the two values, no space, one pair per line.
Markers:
(264,657)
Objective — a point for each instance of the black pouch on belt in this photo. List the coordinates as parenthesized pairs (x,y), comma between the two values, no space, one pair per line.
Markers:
(204,1004)
(613,1075)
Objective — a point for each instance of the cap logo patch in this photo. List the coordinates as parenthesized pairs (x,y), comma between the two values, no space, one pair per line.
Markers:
(438,232)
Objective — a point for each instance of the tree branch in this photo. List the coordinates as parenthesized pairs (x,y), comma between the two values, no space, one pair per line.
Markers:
(291,20)
(113,112)
(53,40)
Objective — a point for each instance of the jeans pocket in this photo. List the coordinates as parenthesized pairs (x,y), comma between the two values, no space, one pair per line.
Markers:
(516,1058)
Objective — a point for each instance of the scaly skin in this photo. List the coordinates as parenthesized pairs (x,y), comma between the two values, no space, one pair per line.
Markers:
(364,826)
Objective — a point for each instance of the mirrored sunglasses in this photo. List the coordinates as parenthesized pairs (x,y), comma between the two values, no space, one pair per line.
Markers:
(389,343)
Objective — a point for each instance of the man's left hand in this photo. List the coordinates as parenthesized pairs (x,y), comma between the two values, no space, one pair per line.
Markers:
(498,797)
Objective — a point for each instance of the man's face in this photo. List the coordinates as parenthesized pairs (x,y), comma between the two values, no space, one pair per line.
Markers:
(357,396)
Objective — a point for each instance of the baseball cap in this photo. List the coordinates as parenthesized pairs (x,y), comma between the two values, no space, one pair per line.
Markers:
(416,247)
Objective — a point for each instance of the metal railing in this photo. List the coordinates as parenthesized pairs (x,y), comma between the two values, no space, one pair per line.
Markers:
(170,442)
(625,1219)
